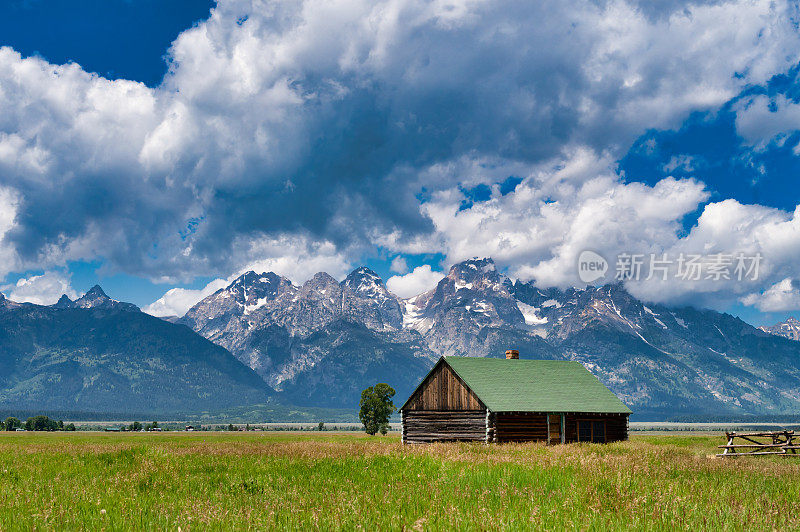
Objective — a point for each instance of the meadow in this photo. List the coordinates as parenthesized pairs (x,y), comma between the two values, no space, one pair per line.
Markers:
(330,481)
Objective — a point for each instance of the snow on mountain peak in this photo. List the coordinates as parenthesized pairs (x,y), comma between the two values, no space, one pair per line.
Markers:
(365,282)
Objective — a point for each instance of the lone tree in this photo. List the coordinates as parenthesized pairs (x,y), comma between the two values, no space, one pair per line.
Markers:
(376,407)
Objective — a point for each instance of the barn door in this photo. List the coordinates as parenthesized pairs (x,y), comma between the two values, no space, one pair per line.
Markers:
(555,427)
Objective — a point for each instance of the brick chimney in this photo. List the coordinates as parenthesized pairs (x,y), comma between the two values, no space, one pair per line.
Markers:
(512,354)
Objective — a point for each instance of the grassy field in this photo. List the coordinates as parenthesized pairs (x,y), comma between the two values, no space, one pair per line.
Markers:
(184,481)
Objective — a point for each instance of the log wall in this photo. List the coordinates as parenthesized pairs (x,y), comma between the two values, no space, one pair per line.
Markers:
(616,426)
(421,426)
(443,390)
(519,426)
(531,426)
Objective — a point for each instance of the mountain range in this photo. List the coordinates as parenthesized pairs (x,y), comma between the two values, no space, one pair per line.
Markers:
(320,343)
(324,340)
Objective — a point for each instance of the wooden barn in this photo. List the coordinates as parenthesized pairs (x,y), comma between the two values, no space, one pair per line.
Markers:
(504,400)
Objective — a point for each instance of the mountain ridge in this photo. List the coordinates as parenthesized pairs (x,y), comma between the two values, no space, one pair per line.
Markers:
(788,329)
(709,360)
(265,321)
(105,357)
(95,297)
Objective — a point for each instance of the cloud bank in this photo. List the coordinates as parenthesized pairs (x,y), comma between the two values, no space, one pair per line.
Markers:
(301,135)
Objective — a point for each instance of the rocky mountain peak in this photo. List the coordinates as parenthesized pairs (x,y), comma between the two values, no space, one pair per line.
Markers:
(470,278)
(362,274)
(321,282)
(366,283)
(93,298)
(238,287)
(96,291)
(252,290)
(247,277)
(472,298)
(365,299)
(252,279)
(64,302)
(324,290)
(474,271)
(97,298)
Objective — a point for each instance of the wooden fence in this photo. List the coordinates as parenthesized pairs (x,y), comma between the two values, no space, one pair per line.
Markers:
(781,443)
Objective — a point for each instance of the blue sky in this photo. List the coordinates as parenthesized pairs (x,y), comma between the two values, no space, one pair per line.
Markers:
(117,39)
(151,145)
(125,39)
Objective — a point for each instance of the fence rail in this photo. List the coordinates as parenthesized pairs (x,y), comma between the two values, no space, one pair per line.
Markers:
(779,443)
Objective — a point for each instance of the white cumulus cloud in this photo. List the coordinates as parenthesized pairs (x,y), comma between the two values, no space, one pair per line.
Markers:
(560,209)
(780,297)
(44,289)
(420,280)
(176,301)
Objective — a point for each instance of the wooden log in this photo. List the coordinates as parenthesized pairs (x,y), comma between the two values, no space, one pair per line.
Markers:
(760,434)
(756,446)
(760,453)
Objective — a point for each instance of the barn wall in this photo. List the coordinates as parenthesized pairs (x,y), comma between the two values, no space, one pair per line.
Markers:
(519,426)
(616,426)
(530,426)
(443,391)
(428,426)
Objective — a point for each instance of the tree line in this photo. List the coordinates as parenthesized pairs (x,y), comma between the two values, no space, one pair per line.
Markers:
(36,423)
(376,408)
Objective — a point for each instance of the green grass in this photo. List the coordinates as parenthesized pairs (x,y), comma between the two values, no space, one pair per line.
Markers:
(345,481)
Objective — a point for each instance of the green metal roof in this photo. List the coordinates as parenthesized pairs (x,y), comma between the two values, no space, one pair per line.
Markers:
(535,385)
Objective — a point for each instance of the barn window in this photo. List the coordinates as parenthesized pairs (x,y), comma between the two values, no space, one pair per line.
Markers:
(592,431)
